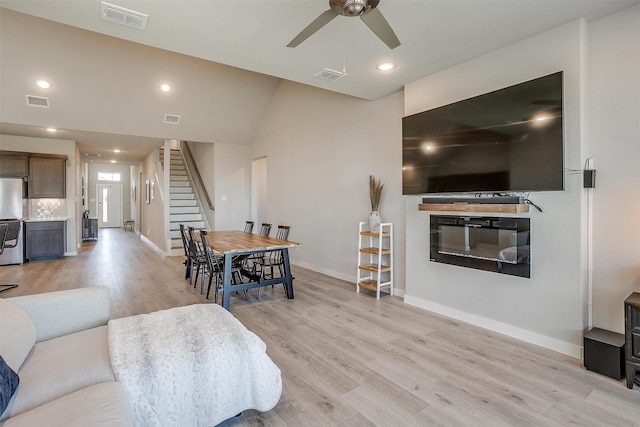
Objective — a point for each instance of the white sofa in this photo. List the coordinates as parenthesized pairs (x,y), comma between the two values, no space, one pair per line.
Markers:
(57,343)
(192,365)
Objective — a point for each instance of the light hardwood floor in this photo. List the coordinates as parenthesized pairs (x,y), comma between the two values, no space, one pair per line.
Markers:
(350,360)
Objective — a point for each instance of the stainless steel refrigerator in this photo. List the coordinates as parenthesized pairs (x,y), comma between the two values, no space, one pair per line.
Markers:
(11,213)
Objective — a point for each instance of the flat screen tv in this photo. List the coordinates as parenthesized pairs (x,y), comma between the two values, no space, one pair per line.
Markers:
(509,140)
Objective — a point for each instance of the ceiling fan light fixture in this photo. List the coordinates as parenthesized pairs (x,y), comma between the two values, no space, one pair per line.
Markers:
(364,9)
(353,7)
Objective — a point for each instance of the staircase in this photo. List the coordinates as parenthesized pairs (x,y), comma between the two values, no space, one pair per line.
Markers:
(184,207)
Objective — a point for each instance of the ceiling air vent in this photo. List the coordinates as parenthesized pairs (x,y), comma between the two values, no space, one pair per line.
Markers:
(120,15)
(330,75)
(171,119)
(37,101)
(92,154)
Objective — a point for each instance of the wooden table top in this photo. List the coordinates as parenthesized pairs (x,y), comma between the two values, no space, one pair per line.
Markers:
(238,241)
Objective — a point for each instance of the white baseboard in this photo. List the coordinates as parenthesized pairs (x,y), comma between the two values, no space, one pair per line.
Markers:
(328,272)
(347,278)
(151,244)
(495,326)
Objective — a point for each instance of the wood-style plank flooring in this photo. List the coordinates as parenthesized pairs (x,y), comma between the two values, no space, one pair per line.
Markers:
(350,360)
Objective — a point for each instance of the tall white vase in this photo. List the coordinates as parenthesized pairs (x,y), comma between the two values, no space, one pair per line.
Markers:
(374,222)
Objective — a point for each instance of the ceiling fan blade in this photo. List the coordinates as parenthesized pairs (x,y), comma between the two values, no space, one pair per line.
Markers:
(318,23)
(379,25)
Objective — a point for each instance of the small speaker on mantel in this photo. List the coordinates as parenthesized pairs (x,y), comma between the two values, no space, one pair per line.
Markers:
(604,352)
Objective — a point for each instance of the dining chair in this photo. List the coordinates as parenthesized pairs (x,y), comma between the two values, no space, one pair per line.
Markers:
(265,229)
(4,230)
(273,258)
(198,261)
(187,251)
(215,267)
(250,262)
(241,260)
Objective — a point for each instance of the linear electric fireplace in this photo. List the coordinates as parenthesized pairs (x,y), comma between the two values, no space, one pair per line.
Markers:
(499,244)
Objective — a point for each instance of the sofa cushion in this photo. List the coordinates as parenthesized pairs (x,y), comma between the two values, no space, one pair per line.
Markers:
(99,405)
(61,366)
(17,334)
(8,384)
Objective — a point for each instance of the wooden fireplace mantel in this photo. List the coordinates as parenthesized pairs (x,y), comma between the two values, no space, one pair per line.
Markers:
(474,207)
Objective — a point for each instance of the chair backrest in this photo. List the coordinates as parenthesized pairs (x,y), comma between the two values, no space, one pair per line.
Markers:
(13,233)
(185,241)
(248,227)
(212,260)
(3,236)
(265,229)
(283,232)
(194,245)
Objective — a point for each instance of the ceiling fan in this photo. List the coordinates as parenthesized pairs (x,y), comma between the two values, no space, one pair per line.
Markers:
(365,9)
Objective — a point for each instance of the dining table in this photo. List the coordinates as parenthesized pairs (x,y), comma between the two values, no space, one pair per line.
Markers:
(236,243)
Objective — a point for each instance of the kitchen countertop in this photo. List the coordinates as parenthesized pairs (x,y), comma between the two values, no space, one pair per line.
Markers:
(47,218)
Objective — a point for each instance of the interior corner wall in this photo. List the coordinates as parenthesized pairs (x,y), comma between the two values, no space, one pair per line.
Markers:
(78,207)
(152,213)
(321,148)
(547,309)
(134,210)
(613,117)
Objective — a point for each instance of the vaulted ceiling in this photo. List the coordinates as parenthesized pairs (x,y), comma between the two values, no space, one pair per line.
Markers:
(225,59)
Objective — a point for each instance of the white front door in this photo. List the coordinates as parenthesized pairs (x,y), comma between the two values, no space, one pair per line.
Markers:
(109,205)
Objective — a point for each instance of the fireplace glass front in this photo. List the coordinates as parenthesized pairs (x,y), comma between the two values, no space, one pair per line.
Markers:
(498,244)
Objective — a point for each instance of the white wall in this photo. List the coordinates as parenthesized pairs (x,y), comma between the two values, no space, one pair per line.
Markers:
(152,214)
(204,155)
(321,148)
(55,146)
(548,308)
(612,130)
(134,209)
(232,167)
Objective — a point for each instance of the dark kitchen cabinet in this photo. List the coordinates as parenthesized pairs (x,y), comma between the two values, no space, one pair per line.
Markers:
(47,176)
(14,164)
(44,240)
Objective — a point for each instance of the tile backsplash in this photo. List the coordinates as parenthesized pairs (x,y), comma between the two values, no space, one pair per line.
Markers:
(42,208)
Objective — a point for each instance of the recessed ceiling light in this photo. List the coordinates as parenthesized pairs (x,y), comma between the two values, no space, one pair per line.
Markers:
(52,129)
(386,66)
(43,84)
(116,151)
(113,161)
(165,88)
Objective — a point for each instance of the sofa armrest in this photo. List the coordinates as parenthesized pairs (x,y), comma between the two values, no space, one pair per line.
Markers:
(64,312)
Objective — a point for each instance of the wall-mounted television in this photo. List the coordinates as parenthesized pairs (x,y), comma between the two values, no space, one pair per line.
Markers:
(509,140)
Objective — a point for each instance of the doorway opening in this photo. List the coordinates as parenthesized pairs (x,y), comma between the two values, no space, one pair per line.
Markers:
(258,189)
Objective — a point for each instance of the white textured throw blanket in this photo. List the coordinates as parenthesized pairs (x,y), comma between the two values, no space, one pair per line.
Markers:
(191,366)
